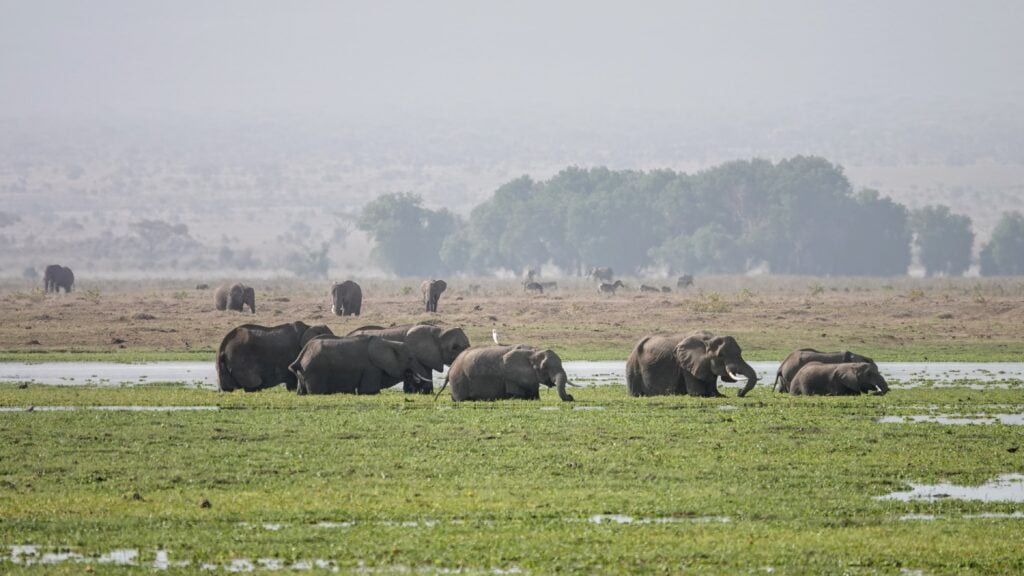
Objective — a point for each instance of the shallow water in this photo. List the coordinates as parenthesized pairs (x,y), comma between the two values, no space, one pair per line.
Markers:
(204,375)
(956,420)
(1005,488)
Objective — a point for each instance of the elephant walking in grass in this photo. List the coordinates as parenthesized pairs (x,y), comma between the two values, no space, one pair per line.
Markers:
(844,379)
(798,358)
(56,277)
(503,372)
(354,365)
(432,290)
(234,297)
(662,365)
(253,357)
(346,299)
(432,346)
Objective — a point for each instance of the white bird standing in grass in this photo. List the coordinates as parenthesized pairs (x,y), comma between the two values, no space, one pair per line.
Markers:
(494,335)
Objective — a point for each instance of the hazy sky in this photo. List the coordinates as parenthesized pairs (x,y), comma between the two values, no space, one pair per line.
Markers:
(377,57)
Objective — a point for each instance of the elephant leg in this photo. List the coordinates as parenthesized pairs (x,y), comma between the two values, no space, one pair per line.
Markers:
(370,382)
(522,391)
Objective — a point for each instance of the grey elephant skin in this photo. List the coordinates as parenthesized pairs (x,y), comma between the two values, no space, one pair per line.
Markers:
(503,372)
(234,297)
(346,299)
(433,346)
(432,290)
(56,277)
(798,358)
(353,365)
(686,364)
(846,379)
(253,357)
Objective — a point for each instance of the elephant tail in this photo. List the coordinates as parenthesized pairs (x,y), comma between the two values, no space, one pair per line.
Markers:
(225,380)
(443,386)
(634,377)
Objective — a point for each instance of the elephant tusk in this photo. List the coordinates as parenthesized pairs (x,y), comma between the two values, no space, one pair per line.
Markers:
(573,385)
(733,376)
(425,379)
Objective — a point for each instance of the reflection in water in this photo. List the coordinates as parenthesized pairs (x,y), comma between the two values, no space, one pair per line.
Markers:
(956,420)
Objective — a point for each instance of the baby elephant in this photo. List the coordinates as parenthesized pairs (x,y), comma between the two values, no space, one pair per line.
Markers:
(501,372)
(846,379)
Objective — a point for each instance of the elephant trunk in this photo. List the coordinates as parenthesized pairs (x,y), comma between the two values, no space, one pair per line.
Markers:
(560,381)
(745,371)
(883,386)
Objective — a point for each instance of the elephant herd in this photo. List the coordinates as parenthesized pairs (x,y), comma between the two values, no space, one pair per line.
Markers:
(313,360)
(346,297)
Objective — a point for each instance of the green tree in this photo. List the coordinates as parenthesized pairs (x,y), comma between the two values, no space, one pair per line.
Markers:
(1004,253)
(944,239)
(407,237)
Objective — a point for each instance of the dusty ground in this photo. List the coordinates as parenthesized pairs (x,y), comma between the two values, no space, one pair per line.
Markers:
(892,319)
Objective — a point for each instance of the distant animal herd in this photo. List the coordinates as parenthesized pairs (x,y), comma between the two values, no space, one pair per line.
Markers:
(313,360)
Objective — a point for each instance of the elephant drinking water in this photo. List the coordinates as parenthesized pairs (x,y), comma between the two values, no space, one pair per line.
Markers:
(845,379)
(798,358)
(661,365)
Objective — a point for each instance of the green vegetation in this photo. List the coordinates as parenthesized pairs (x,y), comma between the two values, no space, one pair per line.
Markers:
(777,483)
(945,240)
(1004,254)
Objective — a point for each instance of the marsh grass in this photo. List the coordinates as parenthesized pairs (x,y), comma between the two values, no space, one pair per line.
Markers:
(507,485)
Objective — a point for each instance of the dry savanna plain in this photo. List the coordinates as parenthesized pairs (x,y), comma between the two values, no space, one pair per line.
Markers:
(394,484)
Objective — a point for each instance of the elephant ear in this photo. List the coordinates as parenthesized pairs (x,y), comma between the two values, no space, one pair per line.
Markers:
(453,342)
(693,356)
(846,377)
(384,355)
(425,345)
(440,286)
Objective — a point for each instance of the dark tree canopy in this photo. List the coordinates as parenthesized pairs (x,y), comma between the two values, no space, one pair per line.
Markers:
(945,240)
(796,216)
(1004,253)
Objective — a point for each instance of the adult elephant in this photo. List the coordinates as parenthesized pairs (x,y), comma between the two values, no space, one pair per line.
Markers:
(234,297)
(798,358)
(433,346)
(56,277)
(692,365)
(845,379)
(253,357)
(354,365)
(502,372)
(601,274)
(684,281)
(346,299)
(432,290)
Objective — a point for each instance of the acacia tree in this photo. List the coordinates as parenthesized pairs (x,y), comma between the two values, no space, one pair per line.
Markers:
(1004,253)
(944,240)
(407,237)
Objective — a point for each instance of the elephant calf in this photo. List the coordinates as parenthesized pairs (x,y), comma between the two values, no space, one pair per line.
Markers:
(502,372)
(253,357)
(846,379)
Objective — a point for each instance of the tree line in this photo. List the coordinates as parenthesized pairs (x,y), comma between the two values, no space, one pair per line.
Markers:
(796,216)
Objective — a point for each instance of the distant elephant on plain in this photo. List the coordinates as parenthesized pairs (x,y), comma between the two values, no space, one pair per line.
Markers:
(56,277)
(601,274)
(846,379)
(432,290)
(432,346)
(503,372)
(346,299)
(234,296)
(354,365)
(661,365)
(684,281)
(798,358)
(253,357)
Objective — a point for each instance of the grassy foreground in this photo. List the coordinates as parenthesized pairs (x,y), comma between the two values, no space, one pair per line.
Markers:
(407,484)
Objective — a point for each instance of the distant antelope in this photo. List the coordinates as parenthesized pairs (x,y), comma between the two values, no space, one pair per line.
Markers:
(646,288)
(606,288)
(533,287)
